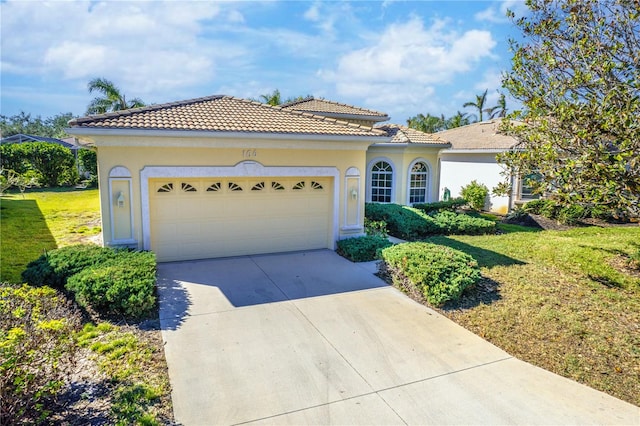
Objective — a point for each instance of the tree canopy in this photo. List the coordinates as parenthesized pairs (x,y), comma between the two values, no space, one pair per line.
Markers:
(52,127)
(577,74)
(112,98)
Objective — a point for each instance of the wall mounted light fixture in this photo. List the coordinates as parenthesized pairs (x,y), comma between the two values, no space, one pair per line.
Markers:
(354,193)
(120,200)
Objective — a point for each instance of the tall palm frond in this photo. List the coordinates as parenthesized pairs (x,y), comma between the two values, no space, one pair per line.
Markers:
(478,104)
(112,100)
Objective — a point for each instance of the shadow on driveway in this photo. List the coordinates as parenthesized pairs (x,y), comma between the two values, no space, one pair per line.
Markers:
(215,285)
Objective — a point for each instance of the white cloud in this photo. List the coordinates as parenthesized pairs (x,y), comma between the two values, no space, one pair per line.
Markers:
(498,14)
(144,47)
(401,68)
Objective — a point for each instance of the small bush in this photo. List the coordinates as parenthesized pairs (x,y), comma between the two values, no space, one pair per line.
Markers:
(36,351)
(438,273)
(475,194)
(461,224)
(375,228)
(124,285)
(572,214)
(362,249)
(450,205)
(55,267)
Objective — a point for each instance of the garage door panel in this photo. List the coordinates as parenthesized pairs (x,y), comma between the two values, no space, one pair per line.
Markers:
(189,222)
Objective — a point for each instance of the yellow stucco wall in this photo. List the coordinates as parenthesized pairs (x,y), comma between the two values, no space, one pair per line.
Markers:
(402,158)
(136,153)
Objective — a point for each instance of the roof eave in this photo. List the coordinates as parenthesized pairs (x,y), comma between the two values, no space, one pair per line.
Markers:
(404,144)
(84,131)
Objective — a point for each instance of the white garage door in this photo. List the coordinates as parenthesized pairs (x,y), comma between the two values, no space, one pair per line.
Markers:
(198,218)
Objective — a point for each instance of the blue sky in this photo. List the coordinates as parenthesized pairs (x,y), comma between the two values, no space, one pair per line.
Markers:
(398,57)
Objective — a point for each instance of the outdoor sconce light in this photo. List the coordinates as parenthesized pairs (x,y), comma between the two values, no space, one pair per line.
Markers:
(354,193)
(120,200)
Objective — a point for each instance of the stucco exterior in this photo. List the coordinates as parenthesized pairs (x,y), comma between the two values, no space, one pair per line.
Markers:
(458,169)
(170,156)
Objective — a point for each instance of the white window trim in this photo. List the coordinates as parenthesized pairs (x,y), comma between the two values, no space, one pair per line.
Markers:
(242,169)
(393,178)
(429,179)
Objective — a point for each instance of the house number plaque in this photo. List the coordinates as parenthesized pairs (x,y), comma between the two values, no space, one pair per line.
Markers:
(249,153)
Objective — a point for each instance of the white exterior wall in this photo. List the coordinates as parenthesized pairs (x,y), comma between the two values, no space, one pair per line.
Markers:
(458,170)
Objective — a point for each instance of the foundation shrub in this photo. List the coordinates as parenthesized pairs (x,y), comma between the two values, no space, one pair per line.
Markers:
(437,273)
(402,221)
(37,351)
(123,286)
(362,249)
(449,205)
(56,266)
(451,223)
(375,227)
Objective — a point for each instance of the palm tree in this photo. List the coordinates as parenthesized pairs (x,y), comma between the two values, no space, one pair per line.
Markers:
(458,120)
(427,123)
(112,99)
(273,98)
(499,110)
(478,104)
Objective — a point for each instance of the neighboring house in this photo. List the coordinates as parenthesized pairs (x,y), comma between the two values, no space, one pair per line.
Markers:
(21,138)
(222,176)
(472,156)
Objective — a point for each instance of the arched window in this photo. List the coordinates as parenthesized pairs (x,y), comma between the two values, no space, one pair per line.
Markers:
(381,182)
(418,183)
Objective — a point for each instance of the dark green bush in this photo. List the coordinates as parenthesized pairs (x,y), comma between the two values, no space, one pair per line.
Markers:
(475,194)
(412,224)
(124,285)
(362,249)
(451,223)
(450,205)
(54,163)
(437,273)
(37,351)
(55,267)
(402,221)
(572,214)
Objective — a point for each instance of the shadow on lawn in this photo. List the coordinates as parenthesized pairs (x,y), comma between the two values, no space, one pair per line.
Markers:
(486,258)
(487,290)
(25,236)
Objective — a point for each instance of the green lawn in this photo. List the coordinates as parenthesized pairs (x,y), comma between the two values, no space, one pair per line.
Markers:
(43,220)
(567,301)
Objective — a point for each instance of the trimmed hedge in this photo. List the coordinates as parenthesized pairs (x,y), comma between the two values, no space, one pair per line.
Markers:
(109,281)
(55,267)
(362,249)
(437,273)
(450,205)
(410,223)
(124,285)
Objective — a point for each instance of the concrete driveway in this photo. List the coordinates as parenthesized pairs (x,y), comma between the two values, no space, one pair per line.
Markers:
(311,338)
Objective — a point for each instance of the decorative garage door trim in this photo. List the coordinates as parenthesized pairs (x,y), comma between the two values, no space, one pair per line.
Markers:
(243,169)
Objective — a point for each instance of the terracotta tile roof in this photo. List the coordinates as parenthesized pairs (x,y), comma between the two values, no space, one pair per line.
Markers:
(334,109)
(484,135)
(224,114)
(404,134)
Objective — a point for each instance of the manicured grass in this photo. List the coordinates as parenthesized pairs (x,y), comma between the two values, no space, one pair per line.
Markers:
(567,301)
(42,221)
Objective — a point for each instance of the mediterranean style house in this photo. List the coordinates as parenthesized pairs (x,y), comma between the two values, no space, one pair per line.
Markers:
(222,176)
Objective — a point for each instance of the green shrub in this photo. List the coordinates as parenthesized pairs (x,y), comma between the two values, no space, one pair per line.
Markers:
(36,351)
(449,205)
(402,221)
(124,285)
(572,214)
(362,249)
(475,194)
(55,267)
(451,223)
(54,163)
(534,206)
(437,273)
(375,228)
